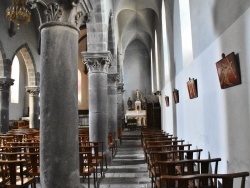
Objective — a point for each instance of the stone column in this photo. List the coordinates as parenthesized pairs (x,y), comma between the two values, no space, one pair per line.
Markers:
(120,114)
(59,105)
(59,146)
(112,103)
(5,84)
(33,106)
(98,64)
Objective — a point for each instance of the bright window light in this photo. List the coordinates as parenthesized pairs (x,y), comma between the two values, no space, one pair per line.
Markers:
(186,34)
(15,73)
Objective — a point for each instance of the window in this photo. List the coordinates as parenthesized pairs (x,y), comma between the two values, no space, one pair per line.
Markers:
(152,71)
(15,73)
(157,63)
(186,35)
(165,42)
(79,87)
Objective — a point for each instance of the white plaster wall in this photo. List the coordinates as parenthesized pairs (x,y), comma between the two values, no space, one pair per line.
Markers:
(28,33)
(211,18)
(218,120)
(136,71)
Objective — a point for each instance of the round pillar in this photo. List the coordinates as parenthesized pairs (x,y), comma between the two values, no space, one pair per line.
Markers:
(112,103)
(59,106)
(98,64)
(33,106)
(120,116)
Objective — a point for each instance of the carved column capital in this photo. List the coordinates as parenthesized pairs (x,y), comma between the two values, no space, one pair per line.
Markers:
(120,88)
(33,90)
(73,11)
(5,84)
(113,79)
(97,61)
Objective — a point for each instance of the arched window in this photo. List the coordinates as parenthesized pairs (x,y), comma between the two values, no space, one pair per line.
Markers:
(79,87)
(152,71)
(186,34)
(157,63)
(165,42)
(15,73)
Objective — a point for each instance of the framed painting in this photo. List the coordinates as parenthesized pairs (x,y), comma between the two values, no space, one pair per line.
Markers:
(192,88)
(228,71)
(167,100)
(176,96)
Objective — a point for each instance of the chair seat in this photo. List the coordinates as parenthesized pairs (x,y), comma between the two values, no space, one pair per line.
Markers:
(26,181)
(87,171)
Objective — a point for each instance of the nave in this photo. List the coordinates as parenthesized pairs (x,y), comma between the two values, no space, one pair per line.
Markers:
(128,168)
(142,158)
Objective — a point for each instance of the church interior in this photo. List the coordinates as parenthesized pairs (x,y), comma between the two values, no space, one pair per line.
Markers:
(106,68)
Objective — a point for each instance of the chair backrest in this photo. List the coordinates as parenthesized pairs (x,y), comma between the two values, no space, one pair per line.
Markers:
(200,180)
(12,178)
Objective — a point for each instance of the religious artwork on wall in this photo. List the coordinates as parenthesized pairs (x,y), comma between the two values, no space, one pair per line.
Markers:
(176,95)
(228,70)
(192,88)
(167,100)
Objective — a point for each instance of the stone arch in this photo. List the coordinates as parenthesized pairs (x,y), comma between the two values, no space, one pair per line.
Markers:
(4,69)
(111,38)
(29,63)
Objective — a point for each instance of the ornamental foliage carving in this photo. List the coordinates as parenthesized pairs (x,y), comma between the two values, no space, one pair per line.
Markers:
(113,78)
(5,84)
(53,12)
(97,62)
(33,90)
(78,13)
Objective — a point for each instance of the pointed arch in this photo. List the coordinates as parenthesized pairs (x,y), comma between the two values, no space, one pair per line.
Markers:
(3,68)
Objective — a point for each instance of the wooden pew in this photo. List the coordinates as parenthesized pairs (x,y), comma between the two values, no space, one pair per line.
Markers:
(184,167)
(159,147)
(201,180)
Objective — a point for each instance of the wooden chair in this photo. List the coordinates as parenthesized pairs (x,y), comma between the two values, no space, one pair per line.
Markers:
(112,145)
(119,134)
(99,156)
(9,176)
(96,148)
(203,180)
(184,167)
(32,164)
(87,168)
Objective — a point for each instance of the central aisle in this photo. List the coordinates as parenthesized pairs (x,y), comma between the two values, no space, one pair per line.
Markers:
(128,168)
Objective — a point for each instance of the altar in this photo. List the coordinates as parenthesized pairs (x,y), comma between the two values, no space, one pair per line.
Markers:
(138,114)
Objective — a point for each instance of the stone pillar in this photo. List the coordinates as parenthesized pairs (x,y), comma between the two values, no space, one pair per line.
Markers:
(33,106)
(98,64)
(59,146)
(120,114)
(5,84)
(112,103)
(59,105)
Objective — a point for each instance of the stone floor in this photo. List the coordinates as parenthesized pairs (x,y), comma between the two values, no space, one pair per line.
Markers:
(128,168)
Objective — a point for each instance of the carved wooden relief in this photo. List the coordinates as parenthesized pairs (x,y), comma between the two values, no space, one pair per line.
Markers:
(228,71)
(192,88)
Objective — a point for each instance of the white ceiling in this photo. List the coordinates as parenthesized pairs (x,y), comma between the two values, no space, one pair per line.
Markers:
(136,20)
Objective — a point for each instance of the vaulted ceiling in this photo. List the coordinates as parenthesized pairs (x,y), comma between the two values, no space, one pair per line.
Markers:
(136,20)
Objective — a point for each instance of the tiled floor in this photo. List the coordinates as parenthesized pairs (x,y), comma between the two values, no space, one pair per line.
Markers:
(128,168)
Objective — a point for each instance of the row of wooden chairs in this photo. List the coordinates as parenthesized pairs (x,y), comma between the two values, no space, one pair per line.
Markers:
(19,158)
(172,164)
